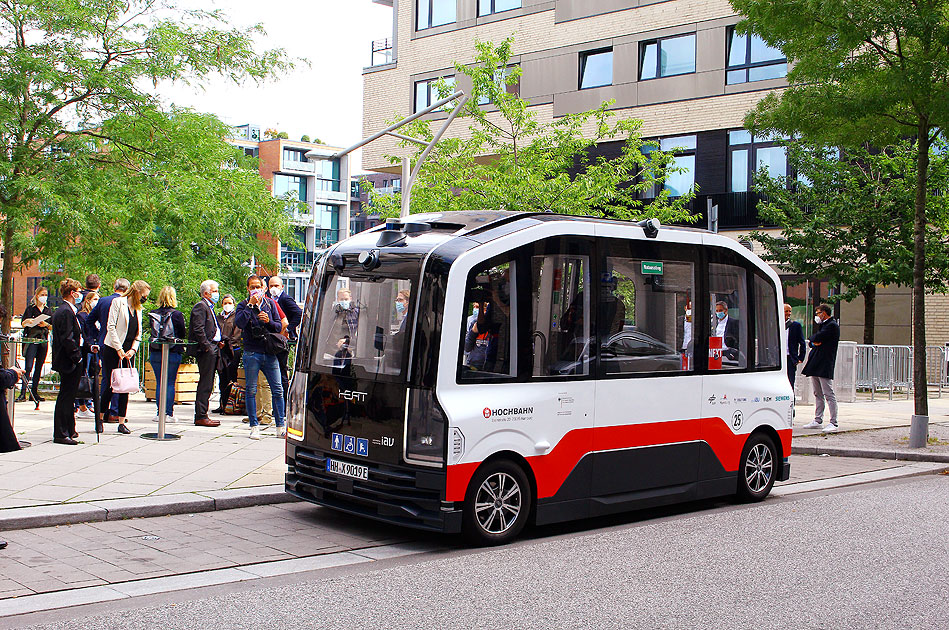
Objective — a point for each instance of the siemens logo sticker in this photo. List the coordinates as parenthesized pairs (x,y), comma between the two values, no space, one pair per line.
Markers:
(508,414)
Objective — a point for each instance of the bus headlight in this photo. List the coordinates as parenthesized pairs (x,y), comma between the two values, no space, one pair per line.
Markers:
(296,410)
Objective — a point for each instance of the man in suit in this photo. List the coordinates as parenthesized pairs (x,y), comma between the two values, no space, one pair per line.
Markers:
(820,367)
(67,357)
(294,315)
(794,340)
(728,328)
(205,333)
(94,332)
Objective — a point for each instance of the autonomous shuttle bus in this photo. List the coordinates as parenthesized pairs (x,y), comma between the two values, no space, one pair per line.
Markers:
(478,371)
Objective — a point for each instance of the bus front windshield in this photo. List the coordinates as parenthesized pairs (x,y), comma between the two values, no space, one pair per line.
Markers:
(363,326)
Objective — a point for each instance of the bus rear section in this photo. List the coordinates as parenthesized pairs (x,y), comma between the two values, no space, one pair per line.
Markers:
(561,368)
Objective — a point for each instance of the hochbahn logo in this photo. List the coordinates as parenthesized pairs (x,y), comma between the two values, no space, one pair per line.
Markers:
(507,411)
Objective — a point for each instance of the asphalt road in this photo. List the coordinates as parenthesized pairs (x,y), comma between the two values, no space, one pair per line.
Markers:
(876,556)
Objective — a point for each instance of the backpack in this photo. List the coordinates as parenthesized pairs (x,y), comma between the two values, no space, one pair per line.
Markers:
(161,328)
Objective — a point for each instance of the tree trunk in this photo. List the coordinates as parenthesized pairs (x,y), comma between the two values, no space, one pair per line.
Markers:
(6,286)
(920,390)
(869,313)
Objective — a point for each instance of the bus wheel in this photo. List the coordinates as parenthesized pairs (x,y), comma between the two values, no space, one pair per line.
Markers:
(758,466)
(498,504)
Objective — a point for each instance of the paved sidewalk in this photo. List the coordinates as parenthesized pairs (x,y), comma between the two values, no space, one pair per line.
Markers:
(125,466)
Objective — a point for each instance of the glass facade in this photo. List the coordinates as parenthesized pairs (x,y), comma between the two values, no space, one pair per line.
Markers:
(596,68)
(327,175)
(681,182)
(751,59)
(748,154)
(294,155)
(289,186)
(487,7)
(667,57)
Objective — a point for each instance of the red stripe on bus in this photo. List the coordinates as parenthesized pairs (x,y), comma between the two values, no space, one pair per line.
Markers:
(552,469)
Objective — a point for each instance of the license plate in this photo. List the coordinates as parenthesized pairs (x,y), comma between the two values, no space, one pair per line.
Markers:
(347,470)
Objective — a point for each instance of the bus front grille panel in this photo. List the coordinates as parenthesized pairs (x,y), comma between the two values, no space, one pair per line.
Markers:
(390,493)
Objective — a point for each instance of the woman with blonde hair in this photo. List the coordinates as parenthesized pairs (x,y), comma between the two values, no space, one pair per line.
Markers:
(122,338)
(166,322)
(34,354)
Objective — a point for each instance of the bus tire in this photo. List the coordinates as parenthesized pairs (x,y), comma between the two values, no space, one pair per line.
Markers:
(759,465)
(498,503)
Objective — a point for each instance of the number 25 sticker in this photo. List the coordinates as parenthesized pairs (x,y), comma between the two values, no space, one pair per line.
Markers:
(737,419)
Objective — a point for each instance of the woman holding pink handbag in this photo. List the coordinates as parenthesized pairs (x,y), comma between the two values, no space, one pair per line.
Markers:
(123,336)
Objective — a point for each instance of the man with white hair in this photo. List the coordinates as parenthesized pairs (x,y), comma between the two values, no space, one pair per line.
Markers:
(205,333)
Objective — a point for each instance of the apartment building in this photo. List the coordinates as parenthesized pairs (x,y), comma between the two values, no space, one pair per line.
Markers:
(361,214)
(314,182)
(678,65)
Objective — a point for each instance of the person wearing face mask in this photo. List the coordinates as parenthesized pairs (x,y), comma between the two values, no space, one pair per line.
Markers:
(230,357)
(727,328)
(34,354)
(258,316)
(166,321)
(294,315)
(122,339)
(820,367)
(208,339)
(794,340)
(95,330)
(89,300)
(67,357)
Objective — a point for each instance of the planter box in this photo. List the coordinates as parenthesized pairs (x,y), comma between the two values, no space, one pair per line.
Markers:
(186,385)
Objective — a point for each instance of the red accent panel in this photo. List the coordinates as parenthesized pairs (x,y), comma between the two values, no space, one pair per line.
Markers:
(552,469)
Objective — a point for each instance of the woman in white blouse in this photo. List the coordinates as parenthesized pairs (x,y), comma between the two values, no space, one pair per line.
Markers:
(122,339)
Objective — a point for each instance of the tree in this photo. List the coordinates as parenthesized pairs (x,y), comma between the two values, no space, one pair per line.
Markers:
(863,71)
(166,200)
(848,218)
(509,160)
(74,99)
(304,138)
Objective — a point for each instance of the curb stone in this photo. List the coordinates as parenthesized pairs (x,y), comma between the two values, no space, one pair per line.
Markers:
(161,505)
(870,453)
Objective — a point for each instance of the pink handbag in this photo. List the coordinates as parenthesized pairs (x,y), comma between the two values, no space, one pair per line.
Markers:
(125,379)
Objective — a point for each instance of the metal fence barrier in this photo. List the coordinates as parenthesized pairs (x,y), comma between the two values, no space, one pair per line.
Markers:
(890,369)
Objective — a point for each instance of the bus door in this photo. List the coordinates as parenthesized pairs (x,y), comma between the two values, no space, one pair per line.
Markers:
(648,396)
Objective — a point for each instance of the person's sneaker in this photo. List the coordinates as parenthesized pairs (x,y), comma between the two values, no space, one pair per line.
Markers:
(281,432)
(813,424)
(171,419)
(255,433)
(85,415)
(830,428)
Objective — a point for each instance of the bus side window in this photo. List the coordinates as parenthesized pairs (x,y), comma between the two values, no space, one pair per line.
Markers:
(728,306)
(487,338)
(645,316)
(767,337)
(561,315)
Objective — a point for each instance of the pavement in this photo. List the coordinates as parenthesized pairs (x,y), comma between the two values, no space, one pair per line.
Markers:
(125,476)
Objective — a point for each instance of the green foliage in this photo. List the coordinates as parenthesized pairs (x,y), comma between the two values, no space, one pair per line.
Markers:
(304,138)
(87,154)
(508,160)
(283,135)
(850,219)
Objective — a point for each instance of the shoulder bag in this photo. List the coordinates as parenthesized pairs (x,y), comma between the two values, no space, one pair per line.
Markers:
(125,379)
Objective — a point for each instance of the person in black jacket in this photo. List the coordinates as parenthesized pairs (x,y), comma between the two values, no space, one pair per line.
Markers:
(820,367)
(67,357)
(294,315)
(795,343)
(208,339)
(166,321)
(34,354)
(8,379)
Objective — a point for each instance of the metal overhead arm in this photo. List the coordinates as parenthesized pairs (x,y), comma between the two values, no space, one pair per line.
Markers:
(429,145)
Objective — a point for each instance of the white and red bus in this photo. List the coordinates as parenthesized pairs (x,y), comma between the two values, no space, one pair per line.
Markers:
(478,371)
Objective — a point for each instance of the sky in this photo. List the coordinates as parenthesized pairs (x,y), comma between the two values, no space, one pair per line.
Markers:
(323,100)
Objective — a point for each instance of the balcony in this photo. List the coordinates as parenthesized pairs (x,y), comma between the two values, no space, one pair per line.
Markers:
(382,52)
(298,167)
(295,261)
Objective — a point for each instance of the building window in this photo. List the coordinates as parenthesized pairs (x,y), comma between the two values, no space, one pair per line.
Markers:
(327,175)
(747,154)
(750,59)
(294,155)
(667,57)
(426,92)
(500,80)
(434,13)
(681,182)
(487,7)
(251,151)
(596,68)
(286,186)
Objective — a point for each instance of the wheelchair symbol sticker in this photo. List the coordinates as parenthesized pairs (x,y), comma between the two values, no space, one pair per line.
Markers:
(737,419)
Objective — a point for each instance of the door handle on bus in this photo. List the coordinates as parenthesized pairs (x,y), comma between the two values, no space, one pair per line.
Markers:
(542,447)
